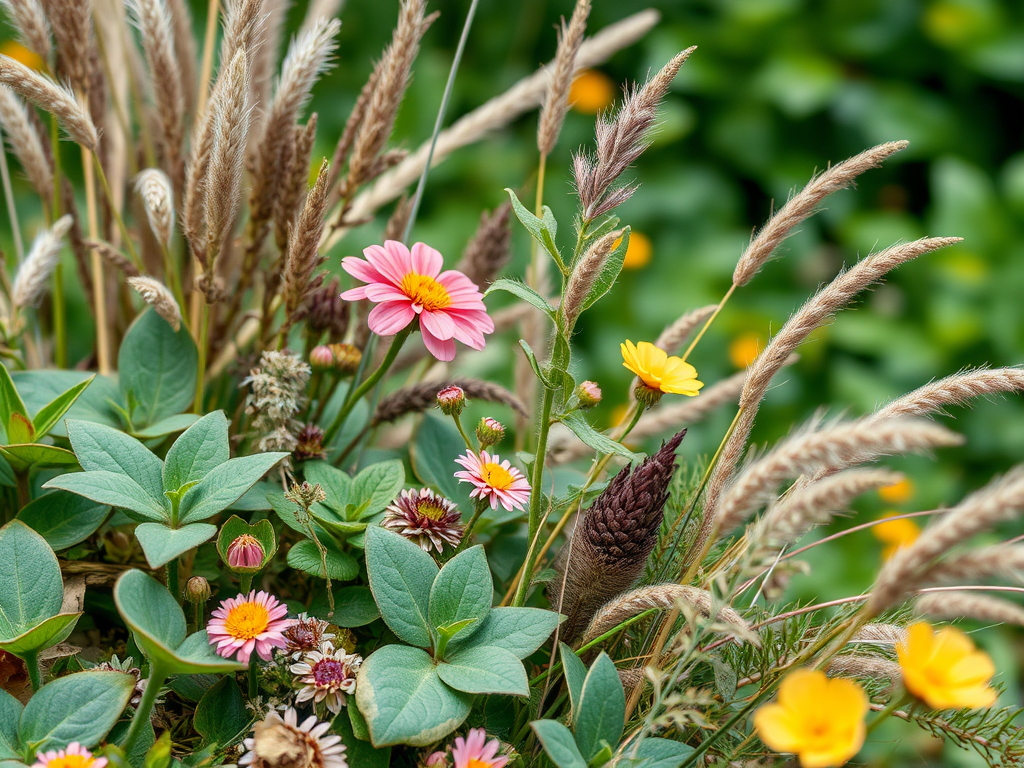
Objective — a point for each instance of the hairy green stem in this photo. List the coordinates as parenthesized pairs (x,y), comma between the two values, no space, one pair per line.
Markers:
(31,659)
(254,688)
(157,676)
(204,332)
(172,580)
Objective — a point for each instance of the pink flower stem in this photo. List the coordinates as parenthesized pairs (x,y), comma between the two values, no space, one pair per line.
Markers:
(359,392)
(481,505)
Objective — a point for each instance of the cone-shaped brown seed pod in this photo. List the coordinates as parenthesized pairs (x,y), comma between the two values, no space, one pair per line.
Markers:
(612,541)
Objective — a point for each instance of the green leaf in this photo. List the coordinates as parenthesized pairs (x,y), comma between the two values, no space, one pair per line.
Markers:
(101,448)
(10,400)
(485,669)
(336,483)
(20,430)
(522,291)
(603,444)
(575,672)
(288,512)
(353,607)
(653,752)
(262,531)
(166,426)
(10,713)
(82,707)
(161,544)
(114,489)
(158,624)
(221,715)
(157,365)
(543,230)
(225,484)
(63,519)
(462,590)
(159,755)
(27,455)
(377,486)
(52,412)
(602,710)
(305,556)
(609,273)
(401,575)
(38,388)
(45,634)
(198,450)
(357,751)
(558,743)
(521,631)
(531,358)
(31,589)
(404,701)
(436,446)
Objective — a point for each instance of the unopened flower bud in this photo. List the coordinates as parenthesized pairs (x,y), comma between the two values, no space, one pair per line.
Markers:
(321,358)
(197,590)
(346,358)
(245,553)
(437,760)
(489,432)
(310,444)
(646,396)
(451,401)
(589,394)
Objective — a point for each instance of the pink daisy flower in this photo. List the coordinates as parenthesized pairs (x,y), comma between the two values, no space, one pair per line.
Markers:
(247,622)
(405,284)
(475,751)
(75,756)
(495,480)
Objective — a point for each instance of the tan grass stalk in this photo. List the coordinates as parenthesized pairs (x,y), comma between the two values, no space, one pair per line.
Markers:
(71,24)
(805,204)
(1002,561)
(303,256)
(489,250)
(297,180)
(157,31)
(114,257)
(880,634)
(157,295)
(999,501)
(320,9)
(556,101)
(33,276)
(662,596)
(244,22)
(865,666)
(958,389)
(25,142)
(353,124)
(394,228)
(969,605)
(154,187)
(672,338)
(185,50)
(423,397)
(492,115)
(29,20)
(833,447)
(585,274)
(40,90)
(266,55)
(814,504)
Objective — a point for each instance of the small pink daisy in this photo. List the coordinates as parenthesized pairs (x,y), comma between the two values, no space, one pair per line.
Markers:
(495,480)
(254,621)
(476,752)
(75,756)
(405,284)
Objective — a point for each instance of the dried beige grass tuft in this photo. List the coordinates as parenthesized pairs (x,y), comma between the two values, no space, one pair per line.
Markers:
(1002,561)
(865,666)
(288,202)
(156,294)
(422,397)
(154,187)
(585,274)
(678,331)
(33,276)
(29,19)
(185,49)
(71,24)
(303,256)
(964,604)
(805,204)
(489,250)
(114,257)
(25,142)
(556,102)
(958,389)
(37,89)
(881,634)
(244,22)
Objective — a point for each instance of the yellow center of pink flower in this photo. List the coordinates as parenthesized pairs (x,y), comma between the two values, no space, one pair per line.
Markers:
(425,291)
(71,761)
(474,763)
(247,620)
(496,476)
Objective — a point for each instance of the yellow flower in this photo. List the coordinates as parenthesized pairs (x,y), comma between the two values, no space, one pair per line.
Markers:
(819,719)
(743,350)
(658,371)
(591,92)
(896,534)
(944,669)
(638,253)
(897,493)
(21,54)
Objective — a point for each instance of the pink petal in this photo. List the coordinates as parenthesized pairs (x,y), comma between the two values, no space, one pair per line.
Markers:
(438,324)
(442,349)
(391,260)
(354,294)
(384,292)
(361,270)
(389,318)
(426,260)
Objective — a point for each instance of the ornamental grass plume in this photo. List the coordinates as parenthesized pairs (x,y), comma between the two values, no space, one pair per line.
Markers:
(72,115)
(24,140)
(610,545)
(158,296)
(157,194)
(30,283)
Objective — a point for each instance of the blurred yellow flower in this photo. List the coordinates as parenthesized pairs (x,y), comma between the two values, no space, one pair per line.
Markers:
(619,413)
(658,371)
(944,669)
(591,92)
(21,54)
(819,719)
(743,350)
(897,493)
(638,253)
(895,534)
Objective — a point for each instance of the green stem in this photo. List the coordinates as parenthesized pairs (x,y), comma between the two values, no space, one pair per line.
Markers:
(157,676)
(24,489)
(254,688)
(199,613)
(31,660)
(245,582)
(204,332)
(481,505)
(172,579)
(117,213)
(354,397)
(60,319)
(895,702)
(462,431)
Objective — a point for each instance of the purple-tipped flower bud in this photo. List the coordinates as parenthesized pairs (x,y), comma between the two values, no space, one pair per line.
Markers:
(321,358)
(489,432)
(451,401)
(245,554)
(197,590)
(589,394)
(347,358)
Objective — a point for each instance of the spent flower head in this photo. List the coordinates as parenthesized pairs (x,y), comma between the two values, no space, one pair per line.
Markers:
(326,675)
(452,401)
(306,633)
(279,740)
(425,518)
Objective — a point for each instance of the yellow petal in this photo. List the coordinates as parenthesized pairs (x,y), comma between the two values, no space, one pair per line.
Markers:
(802,691)
(835,751)
(847,701)
(778,728)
